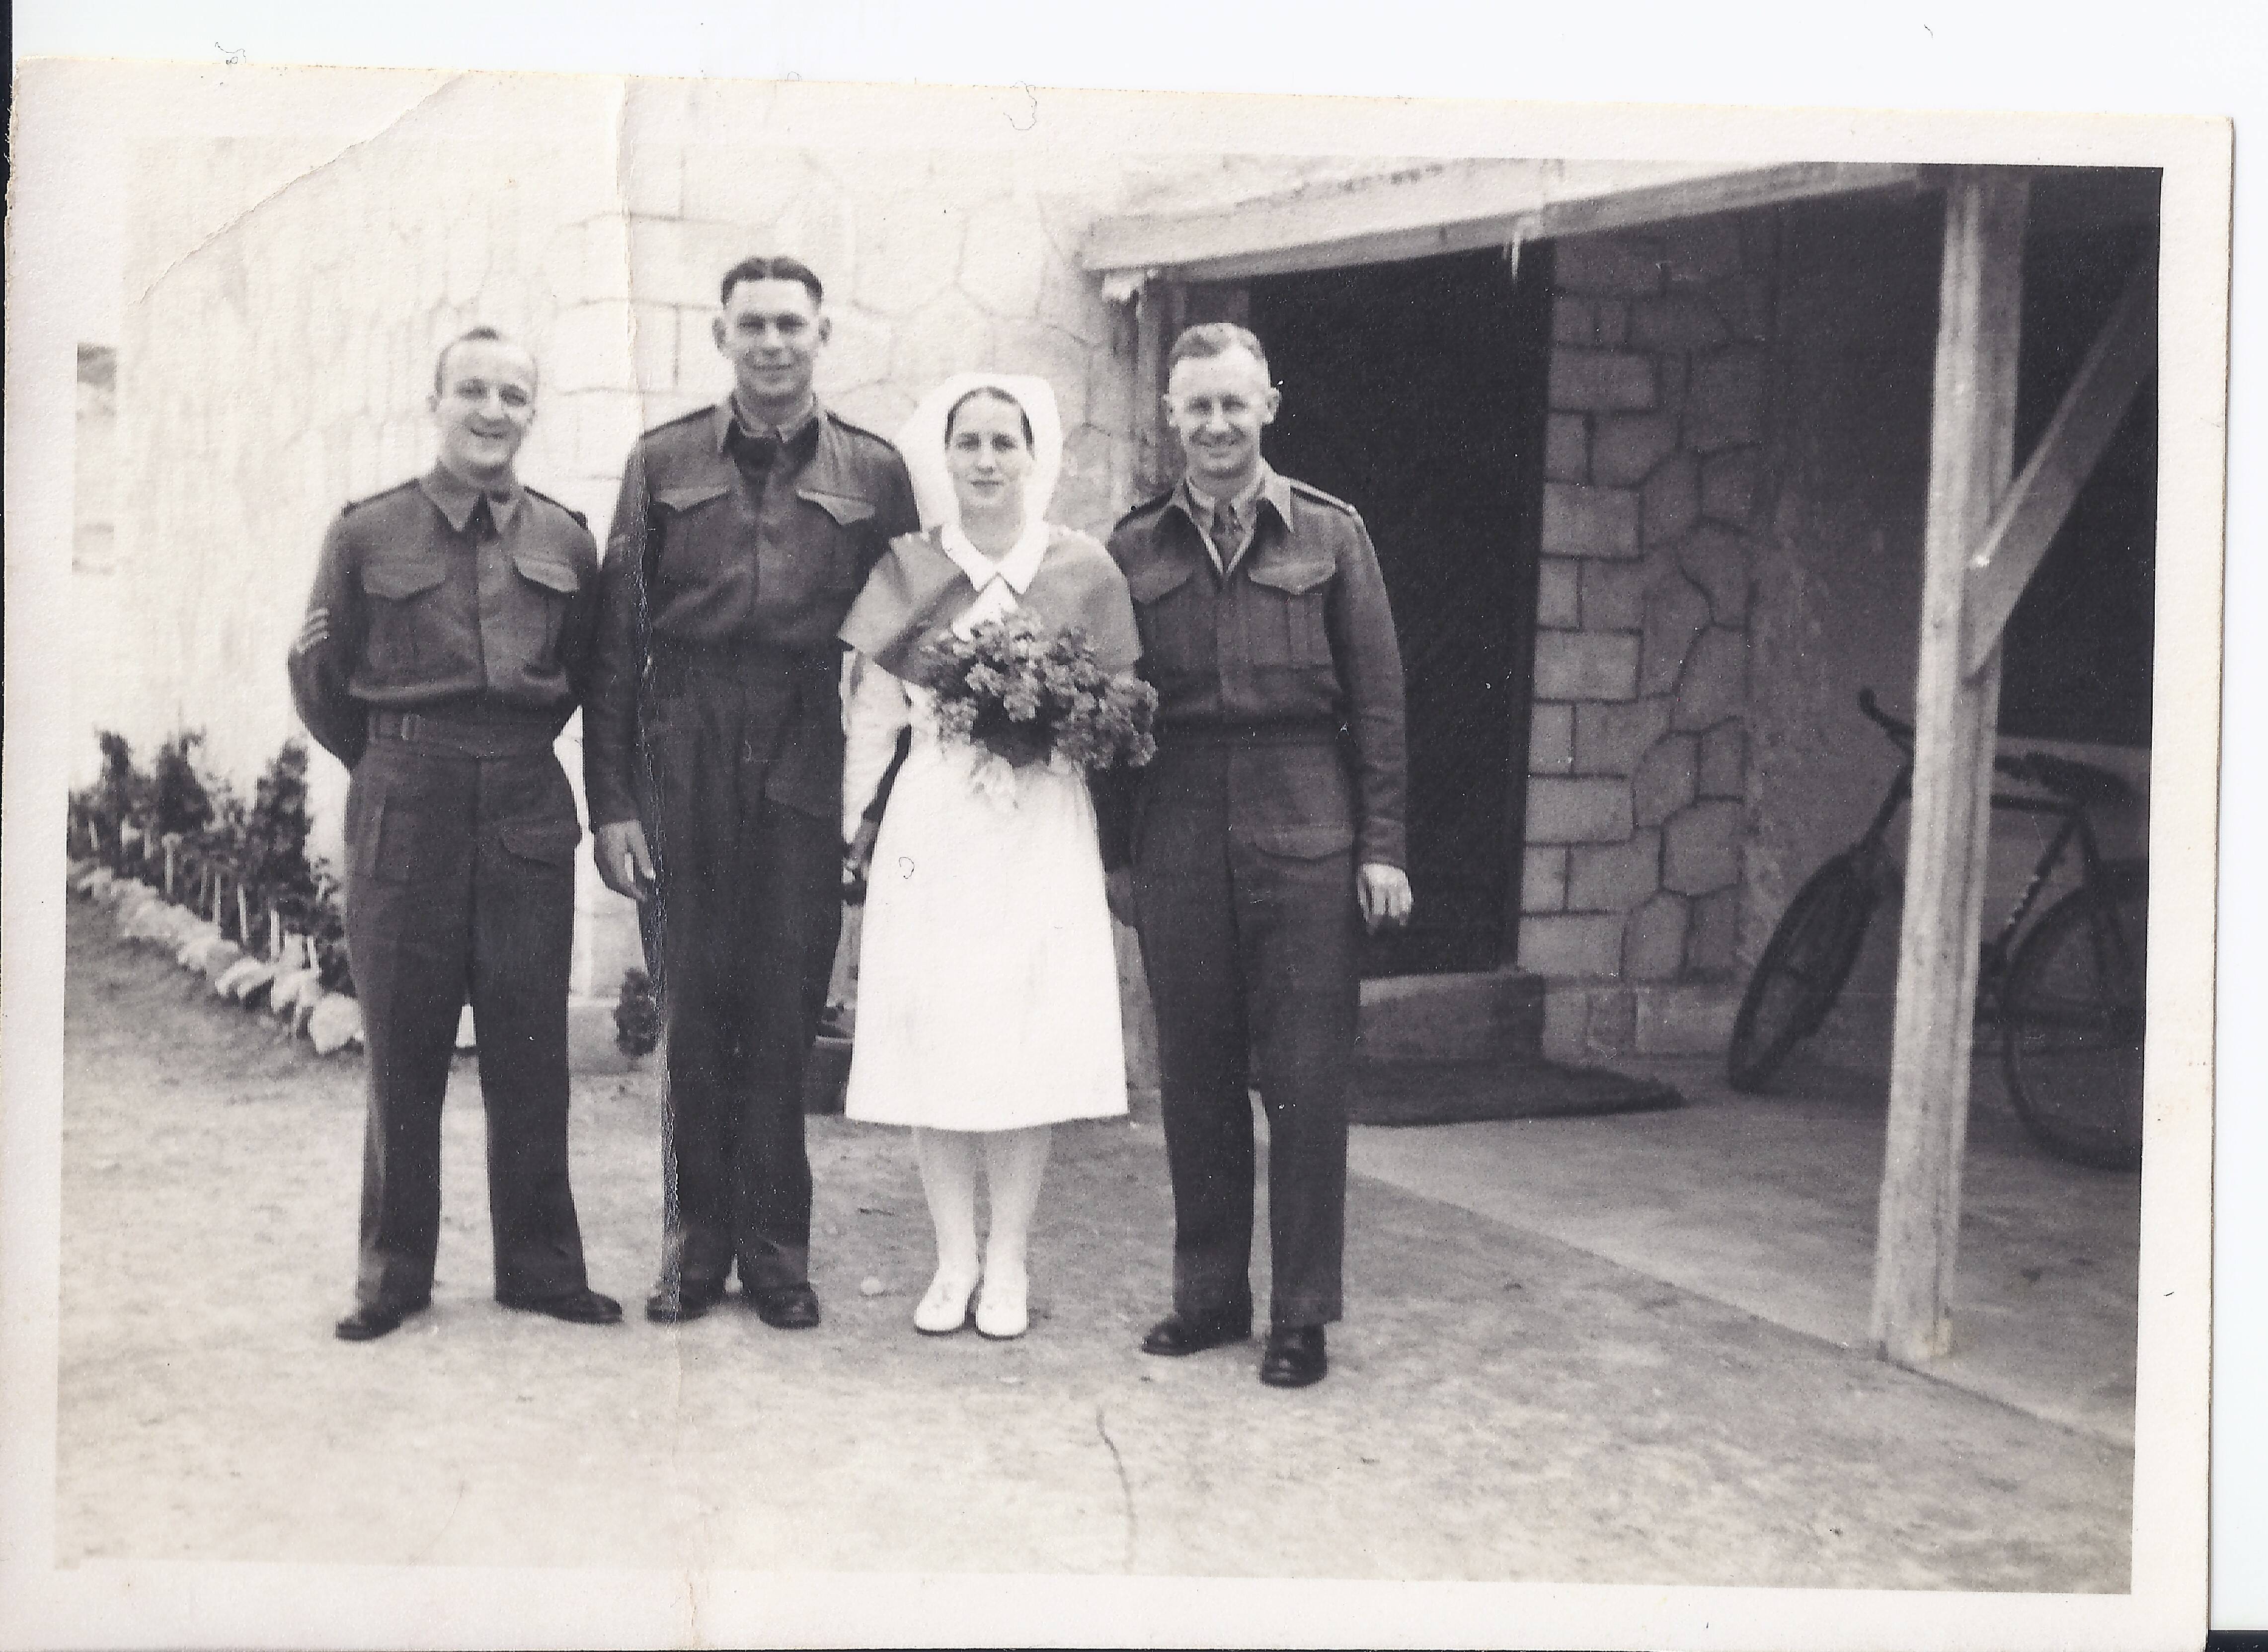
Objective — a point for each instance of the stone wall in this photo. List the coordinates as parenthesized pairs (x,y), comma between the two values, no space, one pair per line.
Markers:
(1656,485)
(935,262)
(94,547)
(281,367)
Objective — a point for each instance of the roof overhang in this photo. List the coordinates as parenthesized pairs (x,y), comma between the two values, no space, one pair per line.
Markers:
(1458,206)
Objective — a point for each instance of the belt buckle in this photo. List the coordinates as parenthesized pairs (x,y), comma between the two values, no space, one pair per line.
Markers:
(411,724)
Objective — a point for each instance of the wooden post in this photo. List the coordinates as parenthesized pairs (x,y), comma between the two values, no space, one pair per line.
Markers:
(1972,442)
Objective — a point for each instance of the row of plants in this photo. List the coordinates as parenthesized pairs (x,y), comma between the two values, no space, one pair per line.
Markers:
(239,864)
(222,882)
(227,885)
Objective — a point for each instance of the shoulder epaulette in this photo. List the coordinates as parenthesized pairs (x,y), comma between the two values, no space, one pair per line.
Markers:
(860,430)
(581,521)
(682,419)
(1320,498)
(353,505)
(1146,506)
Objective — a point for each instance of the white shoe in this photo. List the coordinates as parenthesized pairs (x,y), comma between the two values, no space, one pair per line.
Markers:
(944,1309)
(1000,1312)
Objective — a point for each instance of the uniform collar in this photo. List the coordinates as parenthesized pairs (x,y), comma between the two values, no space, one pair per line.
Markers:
(1197,504)
(455,497)
(728,414)
(1018,568)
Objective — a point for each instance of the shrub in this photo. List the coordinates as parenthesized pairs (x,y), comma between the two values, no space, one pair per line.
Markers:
(178,803)
(274,861)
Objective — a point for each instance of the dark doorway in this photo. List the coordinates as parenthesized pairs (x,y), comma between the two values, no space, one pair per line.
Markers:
(1416,391)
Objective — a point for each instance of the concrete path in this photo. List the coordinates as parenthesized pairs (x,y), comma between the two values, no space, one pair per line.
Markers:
(1503,1404)
(1767,1204)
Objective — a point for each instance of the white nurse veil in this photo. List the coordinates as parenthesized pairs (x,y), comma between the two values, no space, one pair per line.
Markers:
(921,443)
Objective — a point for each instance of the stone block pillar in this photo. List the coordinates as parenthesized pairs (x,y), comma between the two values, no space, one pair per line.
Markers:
(1655,481)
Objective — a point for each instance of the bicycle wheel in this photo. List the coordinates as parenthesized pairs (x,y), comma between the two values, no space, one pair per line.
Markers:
(2072,1019)
(1802,970)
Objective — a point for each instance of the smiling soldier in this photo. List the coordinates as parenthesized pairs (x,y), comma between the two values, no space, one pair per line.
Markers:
(1266,834)
(713,759)
(447,641)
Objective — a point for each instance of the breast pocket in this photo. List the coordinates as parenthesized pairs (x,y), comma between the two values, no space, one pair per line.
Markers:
(404,638)
(836,557)
(1175,635)
(693,529)
(540,607)
(1284,622)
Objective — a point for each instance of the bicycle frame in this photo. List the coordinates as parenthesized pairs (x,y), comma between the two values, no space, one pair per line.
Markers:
(1992,962)
(1993,956)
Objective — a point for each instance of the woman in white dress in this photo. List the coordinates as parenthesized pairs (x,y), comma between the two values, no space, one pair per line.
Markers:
(987,982)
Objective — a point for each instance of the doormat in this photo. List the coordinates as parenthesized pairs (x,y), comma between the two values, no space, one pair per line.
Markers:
(1464,1092)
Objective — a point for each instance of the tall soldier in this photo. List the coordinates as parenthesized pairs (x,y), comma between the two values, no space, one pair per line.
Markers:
(447,641)
(1266,831)
(713,751)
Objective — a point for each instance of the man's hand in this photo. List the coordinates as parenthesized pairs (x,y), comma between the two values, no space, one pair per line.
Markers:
(624,866)
(1118,890)
(1384,894)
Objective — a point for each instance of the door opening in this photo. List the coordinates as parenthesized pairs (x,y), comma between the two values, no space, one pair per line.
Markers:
(1416,392)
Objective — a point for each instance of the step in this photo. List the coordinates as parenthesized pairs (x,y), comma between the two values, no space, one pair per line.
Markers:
(1468,1092)
(1489,1015)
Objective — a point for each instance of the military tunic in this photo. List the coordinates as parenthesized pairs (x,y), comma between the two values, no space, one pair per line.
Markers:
(716,721)
(461,631)
(1280,766)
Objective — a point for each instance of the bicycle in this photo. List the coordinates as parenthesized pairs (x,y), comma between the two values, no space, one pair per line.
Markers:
(2068,999)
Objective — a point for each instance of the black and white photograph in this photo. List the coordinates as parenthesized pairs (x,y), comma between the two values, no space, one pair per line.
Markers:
(863,864)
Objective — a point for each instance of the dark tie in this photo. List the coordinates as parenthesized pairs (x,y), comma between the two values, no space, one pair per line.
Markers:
(481,524)
(756,453)
(1225,537)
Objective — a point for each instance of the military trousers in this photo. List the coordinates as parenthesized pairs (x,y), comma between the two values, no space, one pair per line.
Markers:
(1252,959)
(460,883)
(741,933)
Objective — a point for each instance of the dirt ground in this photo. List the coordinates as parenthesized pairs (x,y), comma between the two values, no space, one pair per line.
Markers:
(1501,1406)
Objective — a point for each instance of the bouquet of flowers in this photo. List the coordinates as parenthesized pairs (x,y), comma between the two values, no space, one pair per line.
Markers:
(1024,694)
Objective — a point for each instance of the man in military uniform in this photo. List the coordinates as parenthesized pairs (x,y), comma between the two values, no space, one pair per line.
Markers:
(1266,832)
(713,751)
(448,639)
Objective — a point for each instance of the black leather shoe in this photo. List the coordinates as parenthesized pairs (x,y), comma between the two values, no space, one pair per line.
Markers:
(577,1307)
(674,1300)
(369,1323)
(1175,1336)
(1294,1357)
(786,1307)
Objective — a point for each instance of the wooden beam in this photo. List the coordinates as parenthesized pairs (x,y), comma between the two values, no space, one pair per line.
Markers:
(2122,356)
(1163,308)
(1158,309)
(1460,209)
(1972,441)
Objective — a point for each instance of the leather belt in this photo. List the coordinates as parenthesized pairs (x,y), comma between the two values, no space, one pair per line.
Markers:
(473,736)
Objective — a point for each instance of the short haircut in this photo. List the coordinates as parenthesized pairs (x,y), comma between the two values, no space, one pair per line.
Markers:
(771,269)
(482,334)
(1216,338)
(997,395)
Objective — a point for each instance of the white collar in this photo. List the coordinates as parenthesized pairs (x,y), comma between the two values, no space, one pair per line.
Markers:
(1017,569)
